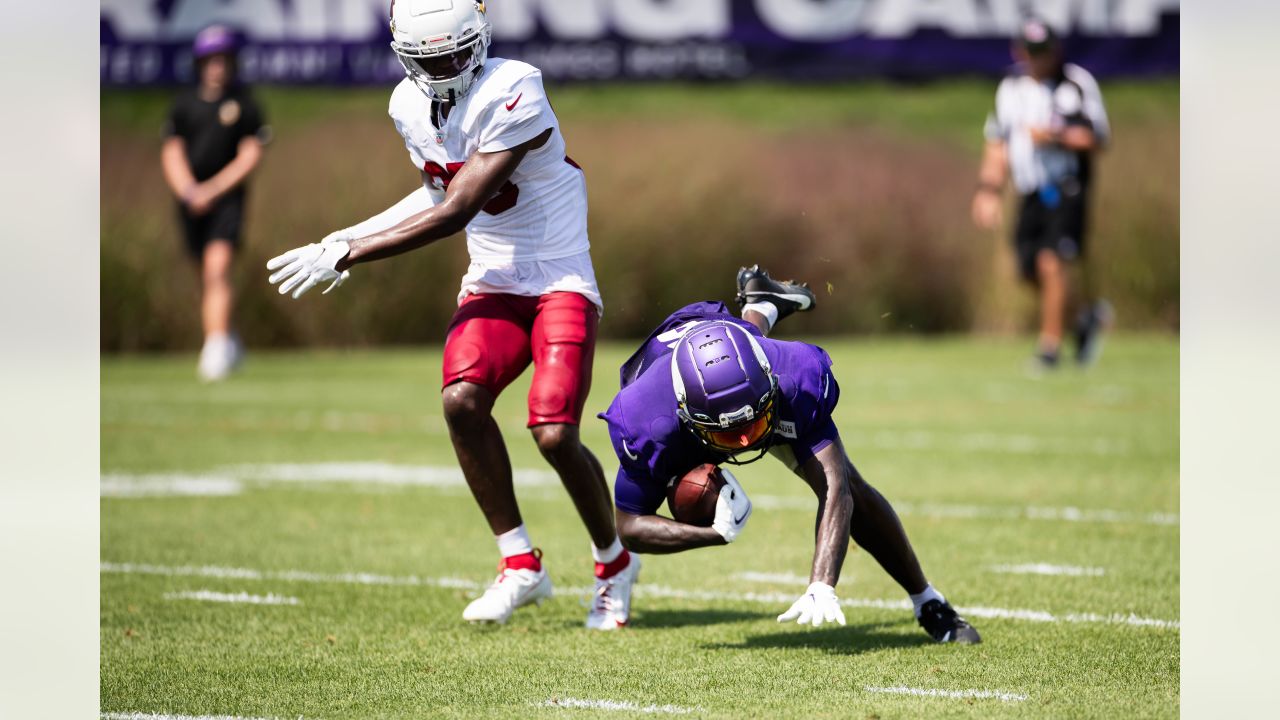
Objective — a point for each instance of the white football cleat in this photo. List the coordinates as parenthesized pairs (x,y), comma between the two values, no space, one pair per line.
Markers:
(510,590)
(219,357)
(611,602)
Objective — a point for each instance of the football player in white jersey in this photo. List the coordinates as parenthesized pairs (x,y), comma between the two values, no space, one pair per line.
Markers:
(493,161)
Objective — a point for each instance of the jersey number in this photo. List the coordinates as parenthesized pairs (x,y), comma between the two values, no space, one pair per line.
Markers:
(504,200)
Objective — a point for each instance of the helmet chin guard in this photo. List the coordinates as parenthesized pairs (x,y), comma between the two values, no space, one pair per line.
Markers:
(725,390)
(442,44)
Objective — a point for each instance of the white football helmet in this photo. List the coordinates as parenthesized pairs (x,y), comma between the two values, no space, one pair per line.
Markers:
(441,43)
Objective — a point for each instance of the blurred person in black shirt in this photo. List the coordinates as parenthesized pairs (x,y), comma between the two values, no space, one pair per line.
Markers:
(213,141)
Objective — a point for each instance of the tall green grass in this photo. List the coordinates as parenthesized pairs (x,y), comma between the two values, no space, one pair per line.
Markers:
(863,190)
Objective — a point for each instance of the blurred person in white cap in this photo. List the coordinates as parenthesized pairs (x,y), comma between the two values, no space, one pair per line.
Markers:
(1049,122)
(213,141)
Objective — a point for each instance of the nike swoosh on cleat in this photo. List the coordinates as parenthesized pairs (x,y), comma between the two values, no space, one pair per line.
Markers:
(511,105)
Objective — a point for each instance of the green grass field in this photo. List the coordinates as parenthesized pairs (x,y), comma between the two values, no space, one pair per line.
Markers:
(249,487)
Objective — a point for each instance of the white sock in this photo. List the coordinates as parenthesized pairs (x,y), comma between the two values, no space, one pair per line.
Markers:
(609,554)
(514,542)
(767,309)
(924,596)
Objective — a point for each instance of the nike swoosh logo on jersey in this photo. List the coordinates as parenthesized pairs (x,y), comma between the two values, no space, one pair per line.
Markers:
(512,105)
(627,450)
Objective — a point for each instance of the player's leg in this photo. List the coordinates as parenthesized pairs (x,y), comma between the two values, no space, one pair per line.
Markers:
(765,301)
(216,300)
(1093,315)
(488,347)
(563,341)
(219,235)
(1051,276)
(875,527)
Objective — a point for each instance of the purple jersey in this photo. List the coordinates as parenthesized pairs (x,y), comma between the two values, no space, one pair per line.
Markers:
(653,448)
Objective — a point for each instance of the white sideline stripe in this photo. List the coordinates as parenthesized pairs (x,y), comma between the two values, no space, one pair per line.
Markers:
(377,473)
(231,480)
(959,694)
(240,597)
(122,485)
(1067,514)
(164,716)
(622,705)
(661,591)
(1047,569)
(287,575)
(775,578)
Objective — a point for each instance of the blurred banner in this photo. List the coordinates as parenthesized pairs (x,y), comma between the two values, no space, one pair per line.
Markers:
(147,42)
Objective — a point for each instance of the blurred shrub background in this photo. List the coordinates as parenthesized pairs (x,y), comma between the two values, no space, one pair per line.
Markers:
(861,189)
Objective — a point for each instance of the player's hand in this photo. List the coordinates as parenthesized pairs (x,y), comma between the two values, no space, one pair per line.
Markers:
(988,209)
(305,267)
(199,199)
(1043,136)
(818,605)
(343,235)
(733,509)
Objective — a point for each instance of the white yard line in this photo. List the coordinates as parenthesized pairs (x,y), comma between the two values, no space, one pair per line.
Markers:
(166,716)
(980,512)
(643,590)
(241,597)
(232,481)
(121,485)
(617,705)
(1047,569)
(287,575)
(955,694)
(773,578)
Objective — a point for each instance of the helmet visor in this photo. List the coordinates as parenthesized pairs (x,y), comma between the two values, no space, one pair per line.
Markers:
(743,437)
(445,67)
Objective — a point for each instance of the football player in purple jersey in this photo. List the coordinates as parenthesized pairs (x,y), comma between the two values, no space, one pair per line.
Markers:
(709,387)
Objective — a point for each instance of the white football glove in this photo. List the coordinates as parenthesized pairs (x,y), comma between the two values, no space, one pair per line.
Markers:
(818,604)
(310,265)
(733,508)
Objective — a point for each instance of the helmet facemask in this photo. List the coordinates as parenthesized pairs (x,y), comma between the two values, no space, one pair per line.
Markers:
(445,70)
(754,434)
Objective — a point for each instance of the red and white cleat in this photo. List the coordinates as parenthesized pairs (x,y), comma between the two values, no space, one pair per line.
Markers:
(513,588)
(611,603)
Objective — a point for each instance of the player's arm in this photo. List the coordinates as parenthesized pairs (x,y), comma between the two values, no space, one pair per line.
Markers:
(177,172)
(827,473)
(474,185)
(327,261)
(658,535)
(988,199)
(248,155)
(643,531)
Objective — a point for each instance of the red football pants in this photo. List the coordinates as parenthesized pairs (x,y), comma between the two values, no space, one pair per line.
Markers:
(493,338)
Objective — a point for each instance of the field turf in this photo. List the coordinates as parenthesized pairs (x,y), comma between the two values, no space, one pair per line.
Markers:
(323,486)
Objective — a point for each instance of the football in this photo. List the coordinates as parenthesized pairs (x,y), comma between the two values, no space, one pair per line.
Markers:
(692,498)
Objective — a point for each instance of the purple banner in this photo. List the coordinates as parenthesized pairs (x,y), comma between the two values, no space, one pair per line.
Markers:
(346,41)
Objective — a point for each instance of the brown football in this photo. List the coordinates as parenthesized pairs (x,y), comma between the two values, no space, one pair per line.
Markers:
(692,498)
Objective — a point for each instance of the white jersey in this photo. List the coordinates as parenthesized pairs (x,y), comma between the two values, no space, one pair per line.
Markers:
(1022,103)
(541,213)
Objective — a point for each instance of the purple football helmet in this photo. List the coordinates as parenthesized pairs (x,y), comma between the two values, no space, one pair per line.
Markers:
(214,40)
(725,389)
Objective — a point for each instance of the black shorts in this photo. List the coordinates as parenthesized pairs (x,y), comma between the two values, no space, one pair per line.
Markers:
(1053,223)
(222,222)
